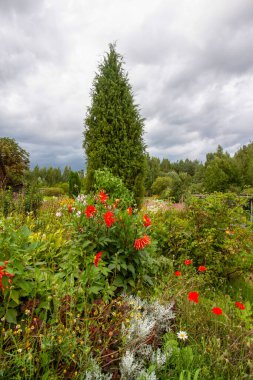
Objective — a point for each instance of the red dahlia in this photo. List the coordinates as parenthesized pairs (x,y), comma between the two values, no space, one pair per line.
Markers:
(142,242)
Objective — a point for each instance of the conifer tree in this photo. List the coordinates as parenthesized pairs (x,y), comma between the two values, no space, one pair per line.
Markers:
(113,135)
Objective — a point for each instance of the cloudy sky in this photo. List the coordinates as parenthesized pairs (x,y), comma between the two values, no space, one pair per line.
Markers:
(190,63)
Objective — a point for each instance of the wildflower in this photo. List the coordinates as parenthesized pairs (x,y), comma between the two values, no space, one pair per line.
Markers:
(178,273)
(90,211)
(188,262)
(70,209)
(202,268)
(146,220)
(78,213)
(182,335)
(109,218)
(103,196)
(239,305)
(20,350)
(97,258)
(58,214)
(129,210)
(217,310)
(142,242)
(193,296)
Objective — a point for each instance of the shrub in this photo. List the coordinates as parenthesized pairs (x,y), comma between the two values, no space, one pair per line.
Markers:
(114,186)
(74,184)
(52,191)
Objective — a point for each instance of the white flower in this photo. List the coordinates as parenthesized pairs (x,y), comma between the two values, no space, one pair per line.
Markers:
(78,213)
(58,214)
(20,350)
(182,335)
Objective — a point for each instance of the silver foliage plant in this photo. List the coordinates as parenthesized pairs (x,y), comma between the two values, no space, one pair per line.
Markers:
(147,320)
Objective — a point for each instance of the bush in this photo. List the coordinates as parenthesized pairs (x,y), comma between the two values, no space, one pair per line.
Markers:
(114,186)
(74,184)
(212,231)
(52,191)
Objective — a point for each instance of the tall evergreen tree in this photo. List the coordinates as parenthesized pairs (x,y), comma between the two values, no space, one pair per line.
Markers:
(113,135)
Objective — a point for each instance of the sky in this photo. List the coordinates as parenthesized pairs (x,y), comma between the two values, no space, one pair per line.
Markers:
(190,65)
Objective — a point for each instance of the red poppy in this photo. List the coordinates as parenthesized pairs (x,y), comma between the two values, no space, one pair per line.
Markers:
(217,310)
(129,210)
(142,242)
(97,258)
(146,220)
(109,218)
(90,211)
(178,273)
(193,296)
(240,305)
(103,196)
(202,268)
(188,262)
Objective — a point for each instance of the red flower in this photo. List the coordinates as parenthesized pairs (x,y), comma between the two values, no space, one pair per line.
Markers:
(240,305)
(109,218)
(202,268)
(97,258)
(129,210)
(178,273)
(142,242)
(103,196)
(217,310)
(4,273)
(146,220)
(188,262)
(90,211)
(70,209)
(193,296)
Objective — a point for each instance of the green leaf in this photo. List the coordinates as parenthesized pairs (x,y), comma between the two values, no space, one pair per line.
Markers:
(11,316)
(14,295)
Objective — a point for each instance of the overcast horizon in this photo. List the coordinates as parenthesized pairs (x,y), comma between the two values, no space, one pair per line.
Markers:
(190,65)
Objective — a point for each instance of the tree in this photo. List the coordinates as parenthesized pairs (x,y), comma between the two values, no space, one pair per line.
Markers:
(74,184)
(14,161)
(113,134)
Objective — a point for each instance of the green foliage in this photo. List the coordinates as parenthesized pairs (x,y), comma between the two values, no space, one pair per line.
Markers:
(212,231)
(74,184)
(113,135)
(14,161)
(161,184)
(121,264)
(114,186)
(29,200)
(52,191)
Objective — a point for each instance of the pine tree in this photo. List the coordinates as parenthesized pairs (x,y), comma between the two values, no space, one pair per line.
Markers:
(113,135)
